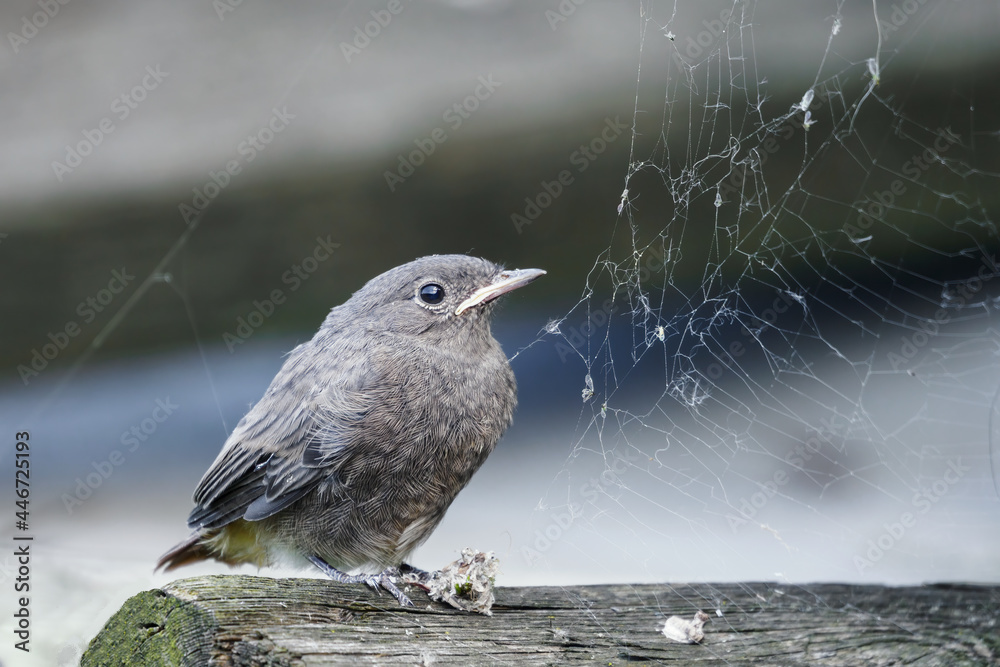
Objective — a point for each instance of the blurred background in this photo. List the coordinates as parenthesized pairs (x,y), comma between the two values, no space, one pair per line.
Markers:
(766,347)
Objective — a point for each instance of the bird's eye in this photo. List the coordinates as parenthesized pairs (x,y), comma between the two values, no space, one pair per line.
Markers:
(432,293)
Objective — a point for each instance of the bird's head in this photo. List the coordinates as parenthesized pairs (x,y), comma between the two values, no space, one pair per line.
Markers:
(438,295)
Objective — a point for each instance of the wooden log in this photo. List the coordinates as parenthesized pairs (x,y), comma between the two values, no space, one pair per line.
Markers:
(242,620)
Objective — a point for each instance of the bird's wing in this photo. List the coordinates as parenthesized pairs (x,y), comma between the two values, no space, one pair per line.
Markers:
(276,456)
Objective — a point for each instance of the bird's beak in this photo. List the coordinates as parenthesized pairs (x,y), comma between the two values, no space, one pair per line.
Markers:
(505,281)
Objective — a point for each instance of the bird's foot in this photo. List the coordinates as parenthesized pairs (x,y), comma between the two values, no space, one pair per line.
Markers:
(383,579)
(415,576)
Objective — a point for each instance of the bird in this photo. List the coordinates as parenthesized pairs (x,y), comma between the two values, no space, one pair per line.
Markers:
(368,431)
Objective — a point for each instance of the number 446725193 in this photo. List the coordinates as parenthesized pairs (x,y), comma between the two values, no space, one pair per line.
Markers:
(21,477)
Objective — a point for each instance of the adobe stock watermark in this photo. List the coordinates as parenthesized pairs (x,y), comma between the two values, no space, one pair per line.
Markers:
(697,45)
(561,522)
(956,299)
(246,152)
(294,277)
(562,12)
(767,148)
(454,116)
(577,336)
(363,35)
(899,15)
(879,202)
(131,440)
(581,159)
(922,502)
(121,108)
(769,316)
(223,7)
(87,310)
(750,506)
(36,22)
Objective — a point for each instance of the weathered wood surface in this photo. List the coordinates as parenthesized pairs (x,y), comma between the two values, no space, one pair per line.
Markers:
(243,620)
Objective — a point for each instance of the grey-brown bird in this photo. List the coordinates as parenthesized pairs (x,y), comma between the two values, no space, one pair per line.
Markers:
(369,430)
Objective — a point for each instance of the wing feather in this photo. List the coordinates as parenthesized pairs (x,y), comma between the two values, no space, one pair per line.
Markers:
(270,462)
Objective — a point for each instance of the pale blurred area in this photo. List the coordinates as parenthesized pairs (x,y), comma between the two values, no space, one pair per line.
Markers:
(642,483)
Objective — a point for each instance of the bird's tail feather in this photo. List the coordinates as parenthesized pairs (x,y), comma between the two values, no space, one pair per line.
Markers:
(191,550)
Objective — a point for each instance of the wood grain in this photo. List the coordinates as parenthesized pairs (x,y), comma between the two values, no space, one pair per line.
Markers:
(243,620)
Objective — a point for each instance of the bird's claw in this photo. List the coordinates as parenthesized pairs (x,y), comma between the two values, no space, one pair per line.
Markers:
(373,581)
(384,580)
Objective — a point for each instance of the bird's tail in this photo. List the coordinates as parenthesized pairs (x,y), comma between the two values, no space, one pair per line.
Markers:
(191,550)
(236,543)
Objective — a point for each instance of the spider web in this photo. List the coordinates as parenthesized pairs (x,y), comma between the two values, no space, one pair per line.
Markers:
(788,352)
